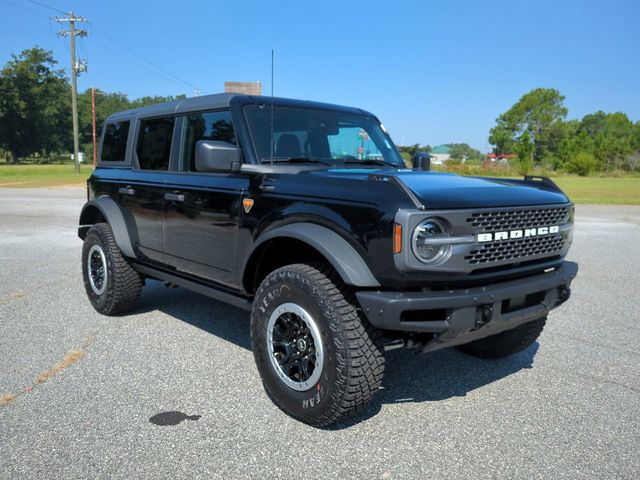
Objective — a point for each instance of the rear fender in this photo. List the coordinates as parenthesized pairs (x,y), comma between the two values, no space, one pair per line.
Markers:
(106,208)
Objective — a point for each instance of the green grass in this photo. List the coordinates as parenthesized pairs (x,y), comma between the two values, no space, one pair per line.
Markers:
(603,190)
(43,175)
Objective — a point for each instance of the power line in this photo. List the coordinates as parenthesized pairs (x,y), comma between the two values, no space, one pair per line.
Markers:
(130,58)
(156,66)
(47,6)
(109,37)
(24,9)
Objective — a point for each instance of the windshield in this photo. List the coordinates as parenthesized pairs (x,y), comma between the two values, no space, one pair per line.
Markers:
(327,136)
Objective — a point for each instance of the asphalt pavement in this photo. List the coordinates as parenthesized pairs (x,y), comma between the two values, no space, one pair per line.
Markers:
(171,390)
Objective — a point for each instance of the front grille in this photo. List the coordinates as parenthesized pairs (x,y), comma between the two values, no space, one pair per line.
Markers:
(492,221)
(515,249)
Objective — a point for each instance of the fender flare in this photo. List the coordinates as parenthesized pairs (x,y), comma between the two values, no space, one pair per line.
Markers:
(116,220)
(343,257)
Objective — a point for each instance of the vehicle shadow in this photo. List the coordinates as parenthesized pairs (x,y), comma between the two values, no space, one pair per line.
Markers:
(440,375)
(218,318)
(409,377)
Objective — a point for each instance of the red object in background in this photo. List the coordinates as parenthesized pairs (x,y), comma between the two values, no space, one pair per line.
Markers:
(502,155)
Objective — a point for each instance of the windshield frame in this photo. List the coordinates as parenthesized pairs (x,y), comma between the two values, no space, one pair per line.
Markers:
(396,160)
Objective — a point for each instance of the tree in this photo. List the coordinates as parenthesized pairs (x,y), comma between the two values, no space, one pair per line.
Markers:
(525,150)
(582,163)
(148,100)
(540,114)
(35,110)
(411,149)
(462,151)
(613,136)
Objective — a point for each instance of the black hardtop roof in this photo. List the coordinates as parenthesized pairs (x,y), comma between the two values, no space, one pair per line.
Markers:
(222,100)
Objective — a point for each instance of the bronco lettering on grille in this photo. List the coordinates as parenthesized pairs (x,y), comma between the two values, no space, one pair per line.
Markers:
(515,234)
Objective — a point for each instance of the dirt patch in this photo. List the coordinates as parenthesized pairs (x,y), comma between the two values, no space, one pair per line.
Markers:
(6,399)
(68,360)
(12,296)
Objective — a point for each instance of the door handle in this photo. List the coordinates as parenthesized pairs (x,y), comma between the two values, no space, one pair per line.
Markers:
(127,191)
(174,197)
(267,186)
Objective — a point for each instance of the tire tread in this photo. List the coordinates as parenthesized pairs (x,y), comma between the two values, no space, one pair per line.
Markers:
(362,344)
(123,291)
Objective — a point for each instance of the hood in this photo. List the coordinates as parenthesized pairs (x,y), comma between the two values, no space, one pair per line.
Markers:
(445,190)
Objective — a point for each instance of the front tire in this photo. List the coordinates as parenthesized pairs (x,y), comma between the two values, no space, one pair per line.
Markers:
(319,360)
(112,285)
(506,343)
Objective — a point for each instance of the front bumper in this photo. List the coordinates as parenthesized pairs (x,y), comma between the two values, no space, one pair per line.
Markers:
(454,317)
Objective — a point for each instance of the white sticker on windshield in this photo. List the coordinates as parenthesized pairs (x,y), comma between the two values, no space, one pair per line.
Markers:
(386,142)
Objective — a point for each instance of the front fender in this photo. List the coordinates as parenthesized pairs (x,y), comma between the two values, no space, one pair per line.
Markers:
(113,215)
(343,257)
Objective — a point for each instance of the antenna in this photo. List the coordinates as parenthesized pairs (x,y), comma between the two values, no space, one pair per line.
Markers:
(272,55)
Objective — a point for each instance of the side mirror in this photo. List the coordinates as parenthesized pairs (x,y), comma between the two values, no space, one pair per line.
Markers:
(421,161)
(216,156)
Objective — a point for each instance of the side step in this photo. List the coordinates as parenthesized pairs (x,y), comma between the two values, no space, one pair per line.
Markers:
(209,291)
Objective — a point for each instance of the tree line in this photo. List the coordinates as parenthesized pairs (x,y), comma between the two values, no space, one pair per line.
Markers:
(35,108)
(537,131)
(458,152)
(35,120)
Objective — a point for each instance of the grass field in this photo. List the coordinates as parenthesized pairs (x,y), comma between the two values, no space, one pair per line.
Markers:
(42,175)
(602,190)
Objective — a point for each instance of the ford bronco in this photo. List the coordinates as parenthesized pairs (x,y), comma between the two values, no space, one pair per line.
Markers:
(306,215)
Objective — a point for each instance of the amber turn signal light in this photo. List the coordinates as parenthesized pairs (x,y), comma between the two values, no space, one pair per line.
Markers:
(397,238)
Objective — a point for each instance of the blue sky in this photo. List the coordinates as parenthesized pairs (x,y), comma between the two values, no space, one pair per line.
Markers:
(434,72)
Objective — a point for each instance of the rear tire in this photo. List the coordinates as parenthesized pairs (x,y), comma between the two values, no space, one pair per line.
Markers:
(112,285)
(318,358)
(506,343)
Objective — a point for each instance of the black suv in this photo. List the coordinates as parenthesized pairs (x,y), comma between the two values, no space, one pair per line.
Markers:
(305,214)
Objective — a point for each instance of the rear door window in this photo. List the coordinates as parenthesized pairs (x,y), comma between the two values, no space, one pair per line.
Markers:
(114,142)
(154,143)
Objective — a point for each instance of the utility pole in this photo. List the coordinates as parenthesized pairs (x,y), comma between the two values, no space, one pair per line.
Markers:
(76,69)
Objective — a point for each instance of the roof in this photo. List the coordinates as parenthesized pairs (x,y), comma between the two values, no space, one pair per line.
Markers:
(222,100)
(442,149)
(217,100)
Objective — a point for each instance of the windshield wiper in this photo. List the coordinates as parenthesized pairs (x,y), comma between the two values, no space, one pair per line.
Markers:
(295,160)
(369,161)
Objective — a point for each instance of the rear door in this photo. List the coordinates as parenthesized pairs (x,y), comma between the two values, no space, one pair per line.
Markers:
(203,209)
(142,188)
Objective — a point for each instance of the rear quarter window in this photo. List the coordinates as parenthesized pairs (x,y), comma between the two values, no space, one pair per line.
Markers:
(154,143)
(114,142)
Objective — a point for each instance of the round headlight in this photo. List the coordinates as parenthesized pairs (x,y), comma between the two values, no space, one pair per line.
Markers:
(430,241)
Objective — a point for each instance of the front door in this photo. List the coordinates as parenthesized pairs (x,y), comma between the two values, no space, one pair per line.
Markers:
(201,225)
(202,209)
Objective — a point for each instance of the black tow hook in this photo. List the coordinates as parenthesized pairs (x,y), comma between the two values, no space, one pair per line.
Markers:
(486,315)
(563,294)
